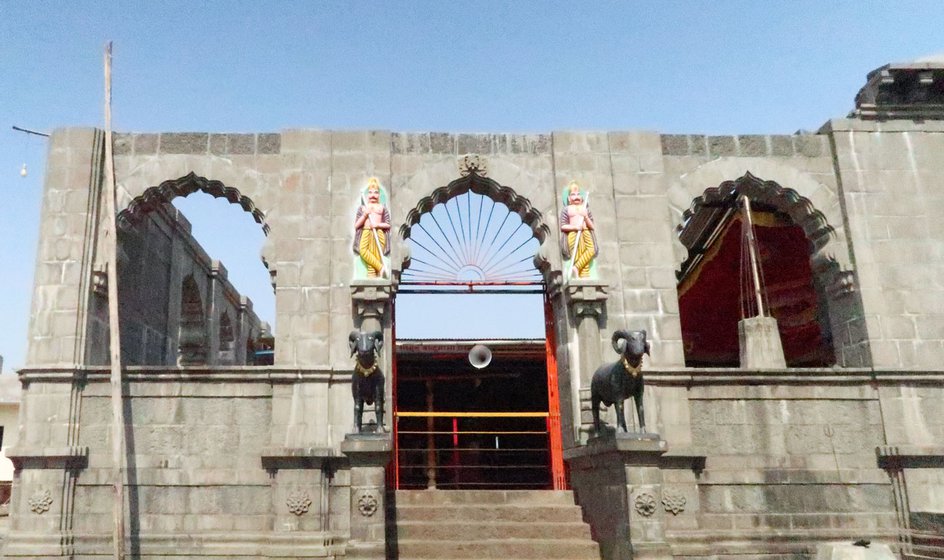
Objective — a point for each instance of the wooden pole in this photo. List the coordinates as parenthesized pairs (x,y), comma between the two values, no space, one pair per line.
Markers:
(752,251)
(111,256)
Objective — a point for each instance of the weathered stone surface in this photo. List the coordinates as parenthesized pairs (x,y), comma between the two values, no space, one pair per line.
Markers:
(184,143)
(783,450)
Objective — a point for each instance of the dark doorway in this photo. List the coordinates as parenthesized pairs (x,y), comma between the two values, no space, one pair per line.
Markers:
(459,427)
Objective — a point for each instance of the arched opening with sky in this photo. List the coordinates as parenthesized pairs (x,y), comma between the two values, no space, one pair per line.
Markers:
(192,284)
(473,382)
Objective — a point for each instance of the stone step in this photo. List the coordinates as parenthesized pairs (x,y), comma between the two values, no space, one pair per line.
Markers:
(491,524)
(482,497)
(489,513)
(460,530)
(920,551)
(504,549)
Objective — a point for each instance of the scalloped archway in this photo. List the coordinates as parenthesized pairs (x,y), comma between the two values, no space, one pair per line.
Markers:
(167,191)
(490,189)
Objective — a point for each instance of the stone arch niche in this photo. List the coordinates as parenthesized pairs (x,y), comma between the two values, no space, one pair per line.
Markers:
(169,261)
(842,322)
(489,188)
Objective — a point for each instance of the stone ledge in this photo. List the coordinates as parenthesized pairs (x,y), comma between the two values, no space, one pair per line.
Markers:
(276,458)
(317,544)
(792,477)
(48,457)
(894,457)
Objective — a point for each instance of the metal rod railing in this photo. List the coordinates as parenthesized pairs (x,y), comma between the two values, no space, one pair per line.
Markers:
(480,449)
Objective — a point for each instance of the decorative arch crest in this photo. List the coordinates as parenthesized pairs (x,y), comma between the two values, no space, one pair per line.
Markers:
(167,191)
(489,188)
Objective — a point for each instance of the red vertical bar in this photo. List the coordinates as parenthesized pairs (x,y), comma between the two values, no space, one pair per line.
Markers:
(558,478)
(393,379)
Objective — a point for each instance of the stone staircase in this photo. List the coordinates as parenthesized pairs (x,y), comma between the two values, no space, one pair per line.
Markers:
(491,524)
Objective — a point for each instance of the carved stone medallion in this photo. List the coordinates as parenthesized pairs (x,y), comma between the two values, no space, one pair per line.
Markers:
(674,503)
(645,504)
(298,502)
(367,504)
(40,501)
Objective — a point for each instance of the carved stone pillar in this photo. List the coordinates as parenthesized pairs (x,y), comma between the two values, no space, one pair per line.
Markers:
(618,483)
(587,303)
(586,306)
(369,455)
(214,306)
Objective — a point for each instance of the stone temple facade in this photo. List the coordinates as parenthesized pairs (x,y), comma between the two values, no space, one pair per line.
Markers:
(227,461)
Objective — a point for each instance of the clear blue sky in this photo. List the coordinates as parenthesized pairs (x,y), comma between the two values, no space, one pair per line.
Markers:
(700,67)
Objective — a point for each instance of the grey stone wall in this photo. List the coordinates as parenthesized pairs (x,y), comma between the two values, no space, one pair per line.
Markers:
(891,174)
(66,248)
(786,451)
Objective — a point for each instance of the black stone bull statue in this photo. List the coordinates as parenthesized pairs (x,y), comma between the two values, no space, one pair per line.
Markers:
(616,382)
(367,382)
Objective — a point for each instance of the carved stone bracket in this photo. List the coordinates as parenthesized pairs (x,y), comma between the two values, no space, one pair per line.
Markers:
(586,299)
(370,299)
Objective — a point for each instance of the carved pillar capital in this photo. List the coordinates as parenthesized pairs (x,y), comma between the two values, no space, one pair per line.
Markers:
(586,298)
(370,299)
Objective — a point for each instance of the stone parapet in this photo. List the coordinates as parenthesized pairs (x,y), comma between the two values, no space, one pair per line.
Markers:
(369,455)
(618,483)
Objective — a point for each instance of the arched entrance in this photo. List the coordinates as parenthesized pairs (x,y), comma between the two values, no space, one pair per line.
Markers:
(475,407)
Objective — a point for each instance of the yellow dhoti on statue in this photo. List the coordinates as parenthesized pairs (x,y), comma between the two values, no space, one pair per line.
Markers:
(582,249)
(370,252)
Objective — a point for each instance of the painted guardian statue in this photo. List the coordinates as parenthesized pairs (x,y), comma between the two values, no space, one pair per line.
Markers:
(578,234)
(372,232)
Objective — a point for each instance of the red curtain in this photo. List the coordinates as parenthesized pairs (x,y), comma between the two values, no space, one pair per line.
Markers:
(710,297)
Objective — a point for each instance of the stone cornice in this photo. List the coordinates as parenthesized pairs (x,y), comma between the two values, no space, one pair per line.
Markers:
(48,457)
(902,91)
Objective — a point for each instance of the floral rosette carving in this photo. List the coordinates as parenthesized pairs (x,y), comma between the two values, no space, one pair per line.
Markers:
(298,502)
(645,504)
(473,163)
(673,503)
(40,501)
(367,504)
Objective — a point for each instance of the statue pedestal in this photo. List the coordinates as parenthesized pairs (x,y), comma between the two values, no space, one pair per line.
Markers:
(369,455)
(760,344)
(618,483)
